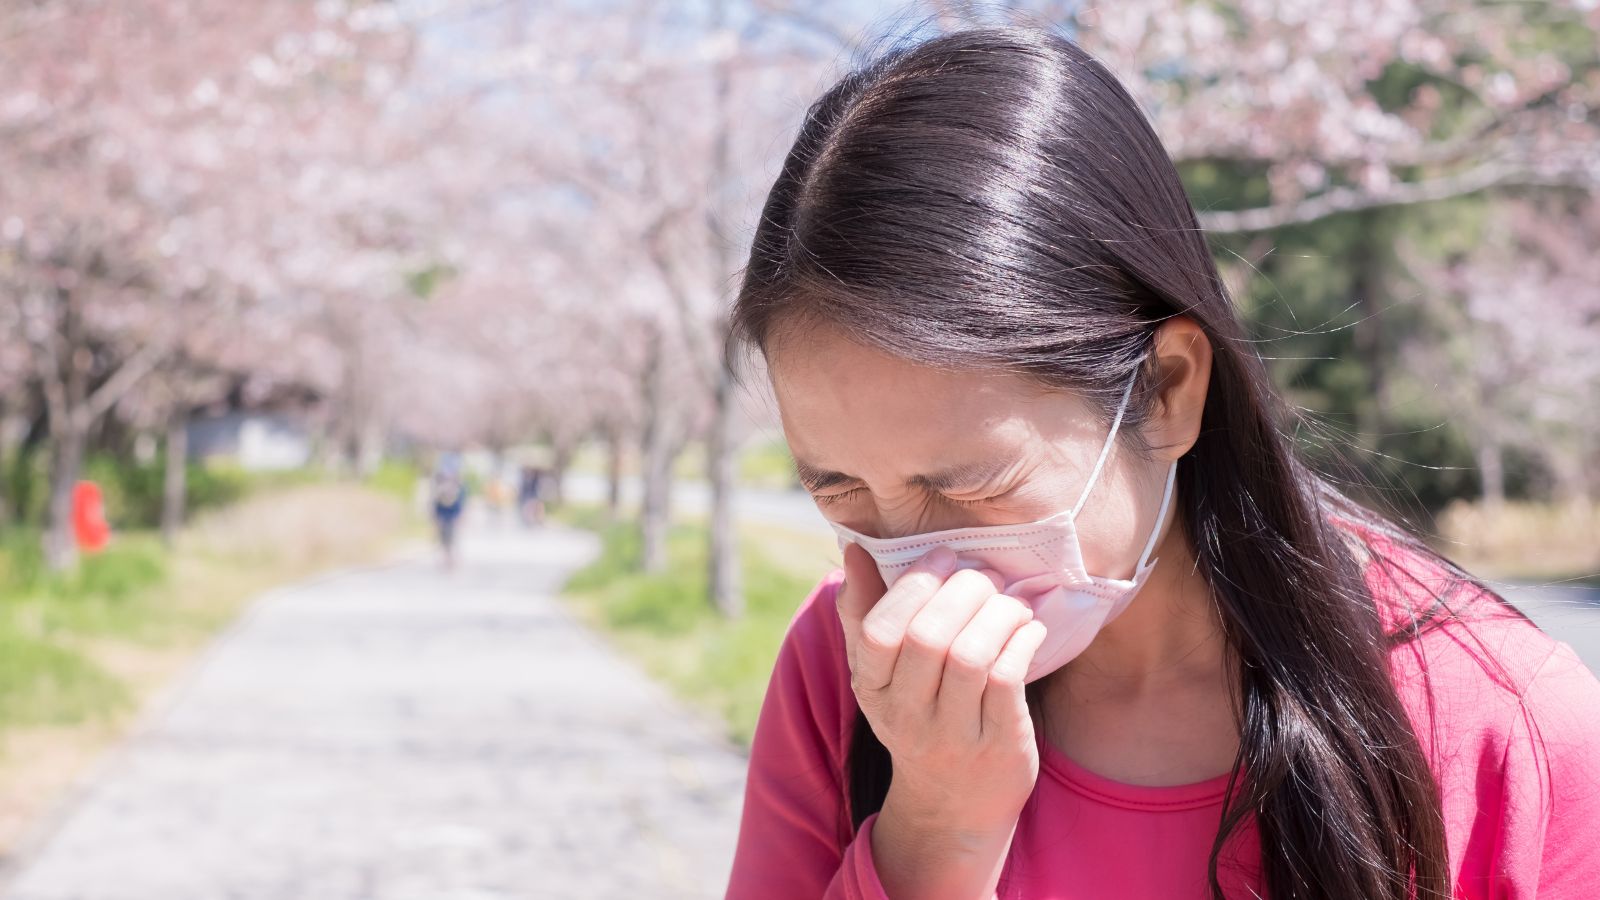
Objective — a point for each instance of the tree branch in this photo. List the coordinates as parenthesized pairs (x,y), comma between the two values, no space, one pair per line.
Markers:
(1347,199)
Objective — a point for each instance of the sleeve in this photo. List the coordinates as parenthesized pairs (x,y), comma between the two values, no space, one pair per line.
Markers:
(1552,799)
(794,834)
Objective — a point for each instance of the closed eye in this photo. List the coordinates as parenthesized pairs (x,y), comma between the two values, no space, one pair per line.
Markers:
(954,502)
(830,499)
(842,496)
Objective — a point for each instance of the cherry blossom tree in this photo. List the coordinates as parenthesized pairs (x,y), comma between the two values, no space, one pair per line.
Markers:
(492,223)
(1513,328)
(1349,106)
(139,186)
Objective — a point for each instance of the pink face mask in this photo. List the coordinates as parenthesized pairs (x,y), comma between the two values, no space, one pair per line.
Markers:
(1041,564)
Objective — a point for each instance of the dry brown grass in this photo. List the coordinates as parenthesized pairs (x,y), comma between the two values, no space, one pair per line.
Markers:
(1524,541)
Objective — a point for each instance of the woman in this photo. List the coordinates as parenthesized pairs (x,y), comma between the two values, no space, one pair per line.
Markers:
(1005,365)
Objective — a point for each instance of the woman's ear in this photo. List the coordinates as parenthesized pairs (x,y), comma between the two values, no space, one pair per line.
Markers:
(1183,361)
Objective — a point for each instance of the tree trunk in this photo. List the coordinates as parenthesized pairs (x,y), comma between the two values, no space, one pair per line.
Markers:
(613,473)
(369,447)
(657,463)
(1573,487)
(1491,471)
(1368,283)
(66,467)
(66,396)
(727,594)
(560,461)
(72,412)
(175,483)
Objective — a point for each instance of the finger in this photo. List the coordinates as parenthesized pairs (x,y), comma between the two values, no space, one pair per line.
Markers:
(920,666)
(1004,701)
(883,627)
(861,590)
(973,653)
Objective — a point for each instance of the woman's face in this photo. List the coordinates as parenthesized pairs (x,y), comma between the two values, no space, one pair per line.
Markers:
(892,448)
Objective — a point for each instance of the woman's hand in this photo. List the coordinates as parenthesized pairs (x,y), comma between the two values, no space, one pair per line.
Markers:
(937,665)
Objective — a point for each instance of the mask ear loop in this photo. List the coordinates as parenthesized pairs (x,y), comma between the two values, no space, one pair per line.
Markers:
(1161,516)
(1106,449)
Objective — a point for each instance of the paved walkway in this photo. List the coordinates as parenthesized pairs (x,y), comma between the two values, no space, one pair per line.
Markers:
(407,734)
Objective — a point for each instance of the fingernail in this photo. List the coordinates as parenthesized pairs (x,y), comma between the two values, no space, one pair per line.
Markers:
(942,559)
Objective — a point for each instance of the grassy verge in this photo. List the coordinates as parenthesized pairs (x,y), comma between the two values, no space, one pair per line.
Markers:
(1525,541)
(81,653)
(664,621)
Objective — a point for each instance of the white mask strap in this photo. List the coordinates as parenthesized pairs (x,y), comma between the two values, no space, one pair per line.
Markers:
(1161,515)
(1105,450)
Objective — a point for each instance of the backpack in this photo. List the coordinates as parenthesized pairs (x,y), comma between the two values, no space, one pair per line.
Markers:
(447,491)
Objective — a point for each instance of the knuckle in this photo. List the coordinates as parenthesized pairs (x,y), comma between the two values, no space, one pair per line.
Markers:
(999,604)
(923,637)
(877,637)
(915,582)
(966,660)
(971,580)
(1005,677)
(859,686)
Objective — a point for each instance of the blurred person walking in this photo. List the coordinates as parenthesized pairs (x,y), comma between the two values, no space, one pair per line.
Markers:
(449,494)
(530,498)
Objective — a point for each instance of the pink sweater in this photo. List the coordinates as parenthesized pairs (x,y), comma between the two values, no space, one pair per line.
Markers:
(1518,761)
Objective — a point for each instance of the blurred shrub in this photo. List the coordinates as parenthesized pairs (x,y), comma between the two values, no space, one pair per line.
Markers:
(134,492)
(397,478)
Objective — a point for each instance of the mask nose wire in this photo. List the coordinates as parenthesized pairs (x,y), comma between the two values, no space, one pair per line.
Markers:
(1105,450)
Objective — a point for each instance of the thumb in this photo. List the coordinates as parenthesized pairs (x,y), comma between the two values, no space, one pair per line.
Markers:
(863,587)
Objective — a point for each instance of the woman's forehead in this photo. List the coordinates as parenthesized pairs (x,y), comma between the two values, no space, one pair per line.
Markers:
(828,375)
(841,400)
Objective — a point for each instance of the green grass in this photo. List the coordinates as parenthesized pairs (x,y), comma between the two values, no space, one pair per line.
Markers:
(67,639)
(395,477)
(665,621)
(44,678)
(44,684)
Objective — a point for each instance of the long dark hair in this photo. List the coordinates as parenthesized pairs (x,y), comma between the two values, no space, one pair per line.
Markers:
(995,198)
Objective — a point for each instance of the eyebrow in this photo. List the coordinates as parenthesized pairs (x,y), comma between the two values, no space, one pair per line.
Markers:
(946,480)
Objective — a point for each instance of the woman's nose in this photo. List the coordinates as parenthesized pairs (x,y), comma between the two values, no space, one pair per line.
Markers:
(898,523)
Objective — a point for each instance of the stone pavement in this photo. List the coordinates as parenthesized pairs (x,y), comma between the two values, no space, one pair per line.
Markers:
(403,733)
